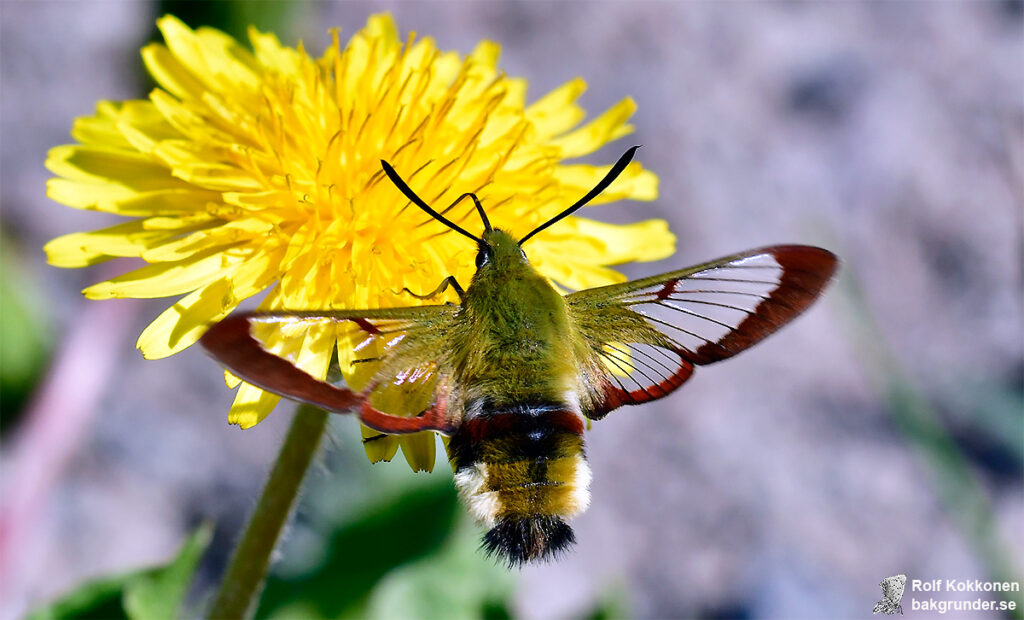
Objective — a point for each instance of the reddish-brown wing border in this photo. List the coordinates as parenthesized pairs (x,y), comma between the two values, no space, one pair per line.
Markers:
(804,273)
(615,395)
(232,344)
(806,270)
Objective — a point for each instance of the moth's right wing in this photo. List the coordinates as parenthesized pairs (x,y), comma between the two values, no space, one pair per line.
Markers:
(644,337)
(393,357)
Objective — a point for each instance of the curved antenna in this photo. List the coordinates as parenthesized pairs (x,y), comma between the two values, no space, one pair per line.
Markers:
(479,208)
(600,187)
(416,200)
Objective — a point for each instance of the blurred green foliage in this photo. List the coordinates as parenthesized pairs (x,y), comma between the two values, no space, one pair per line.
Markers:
(380,542)
(140,595)
(414,555)
(406,549)
(955,480)
(391,533)
(376,541)
(994,411)
(24,334)
(233,16)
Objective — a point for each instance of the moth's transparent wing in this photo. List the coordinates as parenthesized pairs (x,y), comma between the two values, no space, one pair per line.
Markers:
(643,337)
(391,359)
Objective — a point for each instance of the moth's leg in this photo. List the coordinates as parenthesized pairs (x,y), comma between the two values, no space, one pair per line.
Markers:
(373,438)
(449,281)
(433,419)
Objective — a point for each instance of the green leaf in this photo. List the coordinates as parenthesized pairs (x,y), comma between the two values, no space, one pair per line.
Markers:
(613,603)
(234,16)
(24,323)
(149,594)
(96,599)
(159,593)
(457,582)
(390,533)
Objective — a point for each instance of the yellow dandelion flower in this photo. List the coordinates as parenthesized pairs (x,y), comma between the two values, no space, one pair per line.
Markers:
(251,172)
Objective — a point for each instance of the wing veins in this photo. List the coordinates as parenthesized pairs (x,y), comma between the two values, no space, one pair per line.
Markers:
(716,343)
(698,276)
(788,268)
(636,370)
(710,303)
(649,297)
(769,298)
(645,354)
(659,361)
(676,327)
(626,372)
(694,314)
(623,387)
(734,265)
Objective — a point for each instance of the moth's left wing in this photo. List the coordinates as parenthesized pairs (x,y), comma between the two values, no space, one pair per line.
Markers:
(392,357)
(643,337)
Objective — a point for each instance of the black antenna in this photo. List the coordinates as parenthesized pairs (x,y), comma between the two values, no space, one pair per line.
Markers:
(479,207)
(600,187)
(416,200)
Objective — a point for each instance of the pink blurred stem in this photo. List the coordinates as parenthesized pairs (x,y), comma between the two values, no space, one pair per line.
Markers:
(54,424)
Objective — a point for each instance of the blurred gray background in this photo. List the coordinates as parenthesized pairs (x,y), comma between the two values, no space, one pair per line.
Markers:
(880,434)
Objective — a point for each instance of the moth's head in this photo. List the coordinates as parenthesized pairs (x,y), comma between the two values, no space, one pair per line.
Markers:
(497,247)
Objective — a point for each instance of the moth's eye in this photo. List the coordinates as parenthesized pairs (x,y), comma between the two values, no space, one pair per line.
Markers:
(522,253)
(483,257)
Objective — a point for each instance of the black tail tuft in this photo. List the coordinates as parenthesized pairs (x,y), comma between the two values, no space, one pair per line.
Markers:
(525,539)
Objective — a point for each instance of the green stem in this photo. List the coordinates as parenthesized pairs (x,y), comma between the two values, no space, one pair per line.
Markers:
(956,483)
(247,570)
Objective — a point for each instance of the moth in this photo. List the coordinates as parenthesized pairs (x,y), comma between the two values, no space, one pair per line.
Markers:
(513,373)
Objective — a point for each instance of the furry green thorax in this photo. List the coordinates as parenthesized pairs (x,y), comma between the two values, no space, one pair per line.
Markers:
(517,336)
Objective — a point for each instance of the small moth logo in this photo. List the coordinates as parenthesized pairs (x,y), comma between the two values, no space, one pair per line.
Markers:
(892,593)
